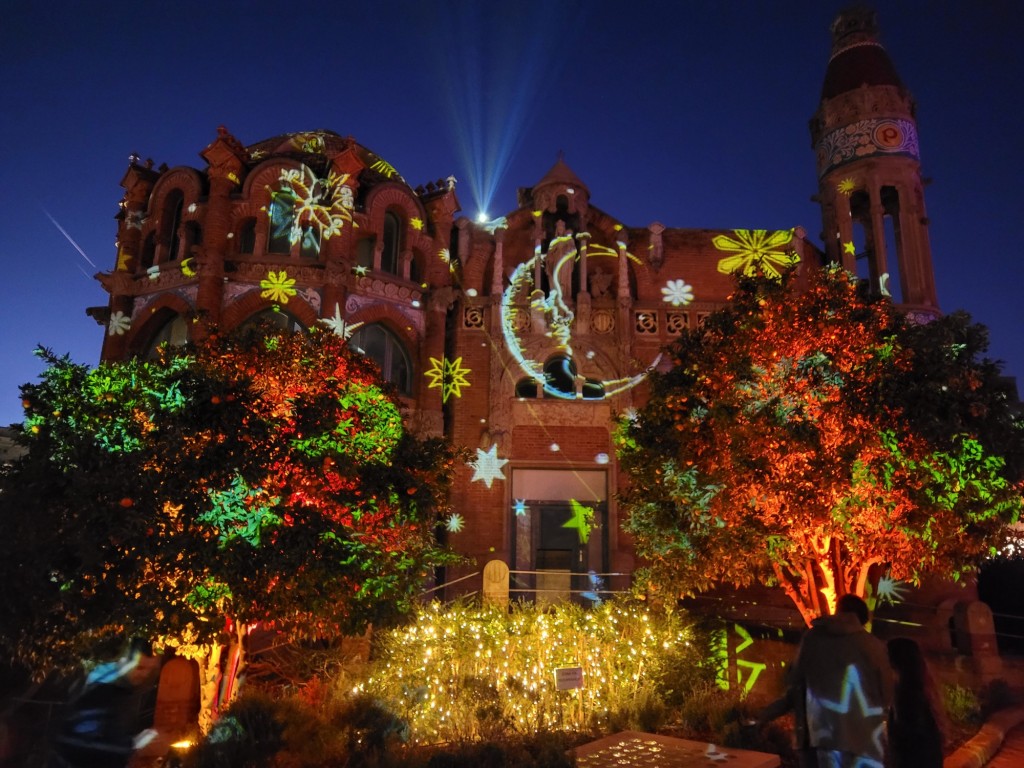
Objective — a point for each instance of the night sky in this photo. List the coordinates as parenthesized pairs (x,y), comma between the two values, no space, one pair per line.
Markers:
(689,113)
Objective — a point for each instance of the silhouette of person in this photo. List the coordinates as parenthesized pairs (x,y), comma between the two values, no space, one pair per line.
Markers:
(840,691)
(915,734)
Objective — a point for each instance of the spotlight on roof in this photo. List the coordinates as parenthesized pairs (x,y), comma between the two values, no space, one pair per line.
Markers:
(482,217)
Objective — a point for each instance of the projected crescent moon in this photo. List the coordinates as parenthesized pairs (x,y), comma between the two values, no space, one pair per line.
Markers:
(558,315)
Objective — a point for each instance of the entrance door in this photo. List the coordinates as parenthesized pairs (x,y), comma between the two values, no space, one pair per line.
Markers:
(560,523)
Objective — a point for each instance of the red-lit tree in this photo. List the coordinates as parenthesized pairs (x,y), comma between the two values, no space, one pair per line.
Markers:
(264,480)
(817,439)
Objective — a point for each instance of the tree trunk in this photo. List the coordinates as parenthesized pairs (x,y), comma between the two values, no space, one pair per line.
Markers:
(221,676)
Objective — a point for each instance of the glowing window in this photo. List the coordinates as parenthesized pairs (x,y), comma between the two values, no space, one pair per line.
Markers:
(392,236)
(382,346)
(281,215)
(560,382)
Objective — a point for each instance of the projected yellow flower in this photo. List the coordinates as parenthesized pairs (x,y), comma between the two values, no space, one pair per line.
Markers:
(448,375)
(756,250)
(278,287)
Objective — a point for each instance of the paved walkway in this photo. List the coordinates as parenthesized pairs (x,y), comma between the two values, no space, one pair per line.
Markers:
(999,743)
(1011,753)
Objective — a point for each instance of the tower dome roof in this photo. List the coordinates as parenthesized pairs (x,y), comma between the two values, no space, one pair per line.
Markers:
(321,143)
(561,174)
(858,58)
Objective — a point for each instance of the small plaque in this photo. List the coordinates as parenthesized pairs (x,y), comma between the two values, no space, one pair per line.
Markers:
(568,678)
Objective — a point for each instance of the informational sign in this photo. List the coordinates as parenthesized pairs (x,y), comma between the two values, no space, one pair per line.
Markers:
(568,678)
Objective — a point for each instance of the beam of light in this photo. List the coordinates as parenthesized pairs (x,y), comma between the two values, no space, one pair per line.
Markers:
(491,66)
(75,245)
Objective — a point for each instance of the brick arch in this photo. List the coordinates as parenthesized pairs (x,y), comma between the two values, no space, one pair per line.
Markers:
(253,303)
(394,321)
(159,312)
(240,211)
(393,196)
(266,174)
(187,180)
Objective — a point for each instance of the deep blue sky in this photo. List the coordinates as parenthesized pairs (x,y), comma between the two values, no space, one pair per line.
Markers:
(690,113)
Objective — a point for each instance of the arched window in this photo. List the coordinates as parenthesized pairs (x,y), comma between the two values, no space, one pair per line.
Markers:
(173,333)
(560,382)
(173,210)
(382,346)
(247,236)
(148,252)
(281,213)
(392,243)
(277,319)
(364,253)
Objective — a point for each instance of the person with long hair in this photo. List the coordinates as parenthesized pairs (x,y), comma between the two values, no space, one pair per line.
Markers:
(915,732)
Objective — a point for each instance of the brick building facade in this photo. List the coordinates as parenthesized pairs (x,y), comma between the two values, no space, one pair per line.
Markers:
(521,338)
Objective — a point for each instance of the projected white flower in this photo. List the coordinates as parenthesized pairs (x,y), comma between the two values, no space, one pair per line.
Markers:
(119,324)
(677,293)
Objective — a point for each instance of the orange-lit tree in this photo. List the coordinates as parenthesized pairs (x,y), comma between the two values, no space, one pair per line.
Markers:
(258,481)
(816,440)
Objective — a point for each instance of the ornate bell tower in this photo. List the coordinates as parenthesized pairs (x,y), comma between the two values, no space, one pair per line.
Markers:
(869,170)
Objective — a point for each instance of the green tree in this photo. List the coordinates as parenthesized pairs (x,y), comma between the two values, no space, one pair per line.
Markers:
(817,439)
(260,480)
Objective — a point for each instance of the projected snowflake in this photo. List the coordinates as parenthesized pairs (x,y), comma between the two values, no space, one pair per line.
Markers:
(756,250)
(582,520)
(487,467)
(522,295)
(890,590)
(677,293)
(455,523)
(338,325)
(277,286)
(448,375)
(520,508)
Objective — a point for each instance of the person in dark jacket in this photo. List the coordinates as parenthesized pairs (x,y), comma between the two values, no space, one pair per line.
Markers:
(841,690)
(915,734)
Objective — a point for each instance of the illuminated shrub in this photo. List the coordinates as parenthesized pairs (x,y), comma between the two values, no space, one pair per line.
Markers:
(469,672)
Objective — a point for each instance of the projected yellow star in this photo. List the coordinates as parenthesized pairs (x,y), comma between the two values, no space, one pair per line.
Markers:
(756,250)
(849,248)
(487,466)
(416,224)
(448,375)
(582,520)
(846,186)
(278,287)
